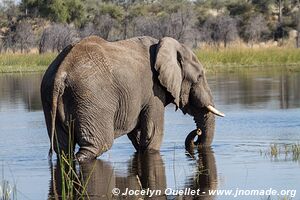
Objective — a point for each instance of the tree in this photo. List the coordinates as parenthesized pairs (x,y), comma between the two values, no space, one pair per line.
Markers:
(77,12)
(9,41)
(239,8)
(165,18)
(59,11)
(104,24)
(9,11)
(297,20)
(35,8)
(255,28)
(88,30)
(146,25)
(222,28)
(263,6)
(56,37)
(1,45)
(24,36)
(228,29)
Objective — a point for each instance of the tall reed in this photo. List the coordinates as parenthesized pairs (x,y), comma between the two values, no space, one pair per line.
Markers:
(71,183)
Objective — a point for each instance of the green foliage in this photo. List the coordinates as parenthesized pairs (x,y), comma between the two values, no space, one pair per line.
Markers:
(34,8)
(138,10)
(76,11)
(263,6)
(239,8)
(113,10)
(59,11)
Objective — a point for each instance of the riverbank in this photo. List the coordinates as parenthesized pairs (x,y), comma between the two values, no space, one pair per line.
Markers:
(236,59)
(10,63)
(231,59)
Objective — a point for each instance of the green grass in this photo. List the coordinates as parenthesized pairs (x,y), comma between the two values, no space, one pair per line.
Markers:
(234,59)
(25,62)
(72,185)
(230,59)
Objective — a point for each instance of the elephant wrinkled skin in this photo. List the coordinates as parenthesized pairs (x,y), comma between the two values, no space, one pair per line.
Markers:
(103,90)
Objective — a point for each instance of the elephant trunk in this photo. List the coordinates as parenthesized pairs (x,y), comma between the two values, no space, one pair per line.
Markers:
(205,121)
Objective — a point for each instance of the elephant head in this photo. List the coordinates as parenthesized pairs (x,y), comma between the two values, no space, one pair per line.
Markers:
(181,73)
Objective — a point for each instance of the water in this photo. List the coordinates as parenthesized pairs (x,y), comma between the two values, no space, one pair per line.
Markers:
(261,108)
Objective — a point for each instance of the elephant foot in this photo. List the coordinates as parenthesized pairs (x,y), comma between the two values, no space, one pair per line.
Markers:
(83,156)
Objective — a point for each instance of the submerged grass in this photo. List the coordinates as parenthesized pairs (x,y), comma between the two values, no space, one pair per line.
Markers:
(8,191)
(287,151)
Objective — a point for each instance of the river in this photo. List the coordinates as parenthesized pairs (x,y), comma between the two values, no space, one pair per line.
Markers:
(262,109)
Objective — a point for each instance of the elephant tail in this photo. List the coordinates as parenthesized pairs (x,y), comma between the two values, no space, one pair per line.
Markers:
(57,92)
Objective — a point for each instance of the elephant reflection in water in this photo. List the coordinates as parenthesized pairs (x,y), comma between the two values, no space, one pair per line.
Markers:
(145,170)
(205,177)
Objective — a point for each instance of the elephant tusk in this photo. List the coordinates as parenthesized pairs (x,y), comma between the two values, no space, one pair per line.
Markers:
(215,111)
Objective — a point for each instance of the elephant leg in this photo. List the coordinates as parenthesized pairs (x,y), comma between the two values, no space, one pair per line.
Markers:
(93,139)
(152,125)
(94,145)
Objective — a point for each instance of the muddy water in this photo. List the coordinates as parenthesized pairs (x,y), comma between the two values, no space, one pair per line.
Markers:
(262,108)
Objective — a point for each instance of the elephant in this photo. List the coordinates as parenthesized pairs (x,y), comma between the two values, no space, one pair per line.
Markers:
(102,90)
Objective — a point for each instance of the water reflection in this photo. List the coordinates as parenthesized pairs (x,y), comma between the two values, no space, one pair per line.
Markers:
(248,89)
(257,89)
(20,91)
(145,171)
(205,177)
(289,87)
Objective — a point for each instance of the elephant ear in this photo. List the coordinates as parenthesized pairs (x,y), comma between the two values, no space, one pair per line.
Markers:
(168,67)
